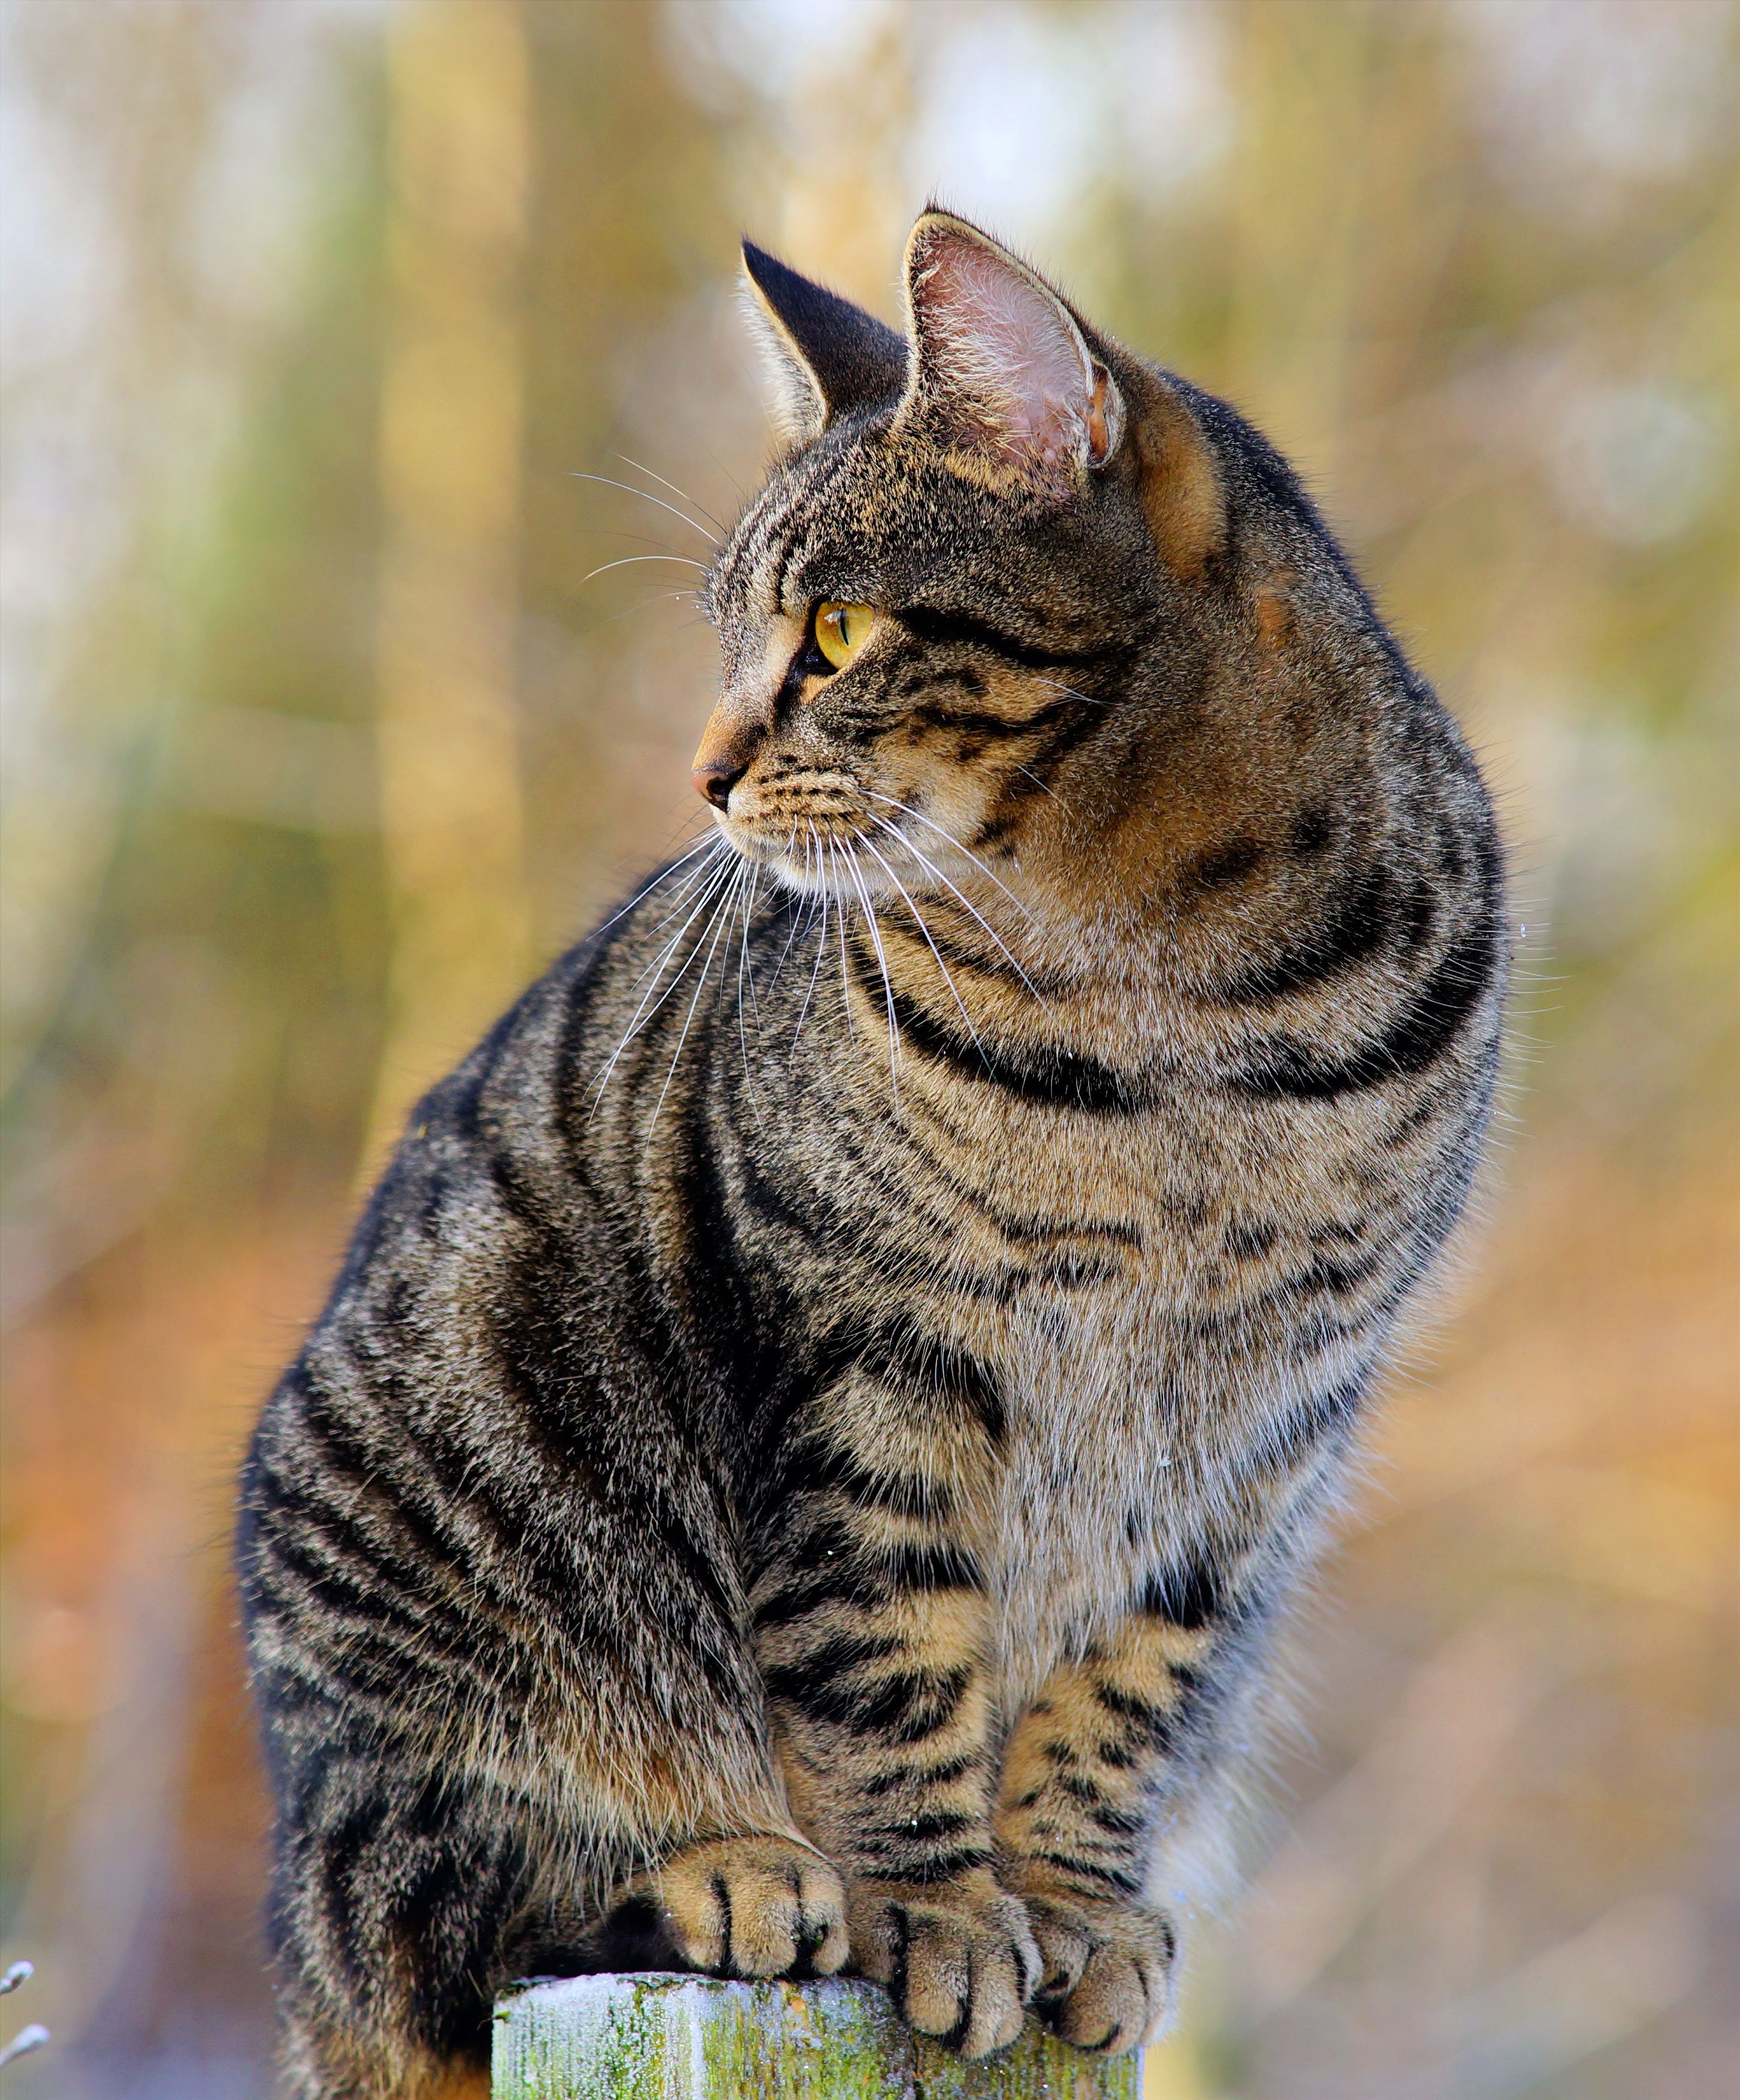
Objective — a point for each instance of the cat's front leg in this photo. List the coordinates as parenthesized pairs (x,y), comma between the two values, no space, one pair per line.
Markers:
(872,1634)
(753,1906)
(1090,1771)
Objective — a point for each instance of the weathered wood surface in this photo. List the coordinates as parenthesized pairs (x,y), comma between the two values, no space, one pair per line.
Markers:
(656,2037)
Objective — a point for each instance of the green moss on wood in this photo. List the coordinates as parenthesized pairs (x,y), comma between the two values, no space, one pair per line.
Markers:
(691,2038)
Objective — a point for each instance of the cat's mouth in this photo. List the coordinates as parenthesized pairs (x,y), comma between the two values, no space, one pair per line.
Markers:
(835,851)
(867,846)
(808,828)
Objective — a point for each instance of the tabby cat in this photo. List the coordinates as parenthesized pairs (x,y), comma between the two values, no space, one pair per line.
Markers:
(804,1458)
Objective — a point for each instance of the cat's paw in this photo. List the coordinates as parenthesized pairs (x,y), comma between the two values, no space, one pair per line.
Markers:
(1107,1978)
(753,1906)
(958,1957)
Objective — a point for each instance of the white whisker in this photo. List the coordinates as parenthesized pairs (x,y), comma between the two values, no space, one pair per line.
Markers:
(646,495)
(821,946)
(640,604)
(706,879)
(721,918)
(989,874)
(859,885)
(722,880)
(1044,786)
(1057,687)
(742,957)
(965,903)
(683,492)
(627,561)
(797,916)
(701,845)
(839,928)
(919,920)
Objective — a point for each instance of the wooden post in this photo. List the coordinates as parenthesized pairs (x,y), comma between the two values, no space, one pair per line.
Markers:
(661,2037)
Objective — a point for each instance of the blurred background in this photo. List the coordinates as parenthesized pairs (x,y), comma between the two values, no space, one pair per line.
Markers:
(320,736)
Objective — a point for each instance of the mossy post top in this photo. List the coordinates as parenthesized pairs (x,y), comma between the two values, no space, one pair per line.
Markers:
(666,2037)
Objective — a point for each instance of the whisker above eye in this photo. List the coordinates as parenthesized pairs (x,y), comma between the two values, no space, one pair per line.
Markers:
(628,488)
(624,561)
(641,605)
(625,532)
(692,502)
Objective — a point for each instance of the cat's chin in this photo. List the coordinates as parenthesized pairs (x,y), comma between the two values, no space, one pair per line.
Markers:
(818,879)
(765,853)
(838,873)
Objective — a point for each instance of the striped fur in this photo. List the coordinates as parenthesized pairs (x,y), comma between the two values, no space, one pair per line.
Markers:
(824,1409)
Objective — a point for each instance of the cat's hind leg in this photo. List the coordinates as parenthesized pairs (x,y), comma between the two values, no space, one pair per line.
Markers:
(388,1897)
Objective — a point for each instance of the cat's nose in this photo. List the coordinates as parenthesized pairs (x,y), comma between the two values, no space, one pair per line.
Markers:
(715,778)
(728,750)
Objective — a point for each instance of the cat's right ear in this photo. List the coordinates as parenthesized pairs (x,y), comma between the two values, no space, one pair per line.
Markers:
(822,353)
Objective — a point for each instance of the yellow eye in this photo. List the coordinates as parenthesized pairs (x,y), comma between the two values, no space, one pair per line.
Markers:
(842,631)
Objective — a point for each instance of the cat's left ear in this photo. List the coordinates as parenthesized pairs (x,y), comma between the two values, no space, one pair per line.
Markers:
(1000,370)
(822,355)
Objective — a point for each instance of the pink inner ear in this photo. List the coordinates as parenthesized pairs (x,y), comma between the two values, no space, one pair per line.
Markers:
(1005,344)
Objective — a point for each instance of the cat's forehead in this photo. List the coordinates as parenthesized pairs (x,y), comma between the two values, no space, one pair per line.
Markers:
(831,497)
(852,516)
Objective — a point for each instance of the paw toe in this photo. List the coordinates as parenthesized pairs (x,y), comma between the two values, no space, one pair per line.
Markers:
(960,1966)
(754,1906)
(1109,1982)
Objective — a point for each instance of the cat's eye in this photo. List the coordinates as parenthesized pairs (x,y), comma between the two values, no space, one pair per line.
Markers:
(842,630)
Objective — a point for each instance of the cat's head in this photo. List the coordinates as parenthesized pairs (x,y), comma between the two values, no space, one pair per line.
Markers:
(994,599)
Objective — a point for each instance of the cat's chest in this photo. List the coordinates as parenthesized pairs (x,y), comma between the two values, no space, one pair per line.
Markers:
(1097,1475)
(1125,1422)
(1095,1269)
